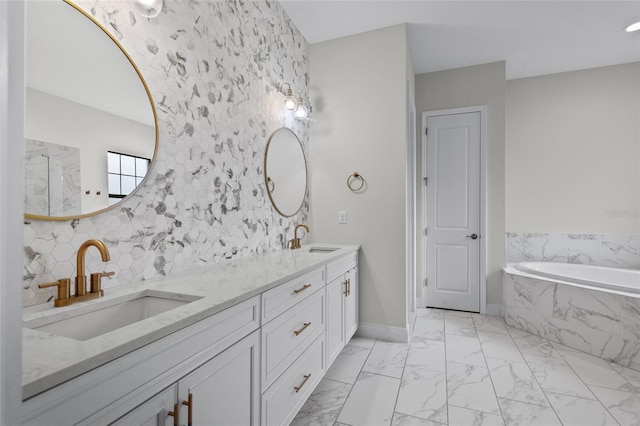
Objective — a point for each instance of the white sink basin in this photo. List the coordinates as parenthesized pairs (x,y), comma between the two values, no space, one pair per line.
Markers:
(96,319)
(322,249)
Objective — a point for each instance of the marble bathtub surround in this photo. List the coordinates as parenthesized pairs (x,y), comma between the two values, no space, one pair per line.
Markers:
(549,384)
(614,250)
(213,69)
(218,287)
(600,323)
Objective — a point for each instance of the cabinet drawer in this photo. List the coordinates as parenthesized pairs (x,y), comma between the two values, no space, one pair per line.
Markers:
(340,266)
(287,336)
(282,402)
(281,298)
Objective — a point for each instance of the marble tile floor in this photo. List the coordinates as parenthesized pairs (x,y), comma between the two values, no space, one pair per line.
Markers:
(468,369)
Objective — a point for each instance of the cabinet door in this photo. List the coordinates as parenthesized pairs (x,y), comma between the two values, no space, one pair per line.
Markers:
(351,304)
(224,391)
(154,412)
(335,318)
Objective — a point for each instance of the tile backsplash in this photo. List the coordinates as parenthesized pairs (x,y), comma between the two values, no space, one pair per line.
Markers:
(614,250)
(213,69)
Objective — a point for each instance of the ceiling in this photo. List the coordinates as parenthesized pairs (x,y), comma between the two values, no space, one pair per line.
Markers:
(533,37)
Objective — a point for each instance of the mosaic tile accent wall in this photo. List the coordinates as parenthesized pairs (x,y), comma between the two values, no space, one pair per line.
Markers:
(614,250)
(213,68)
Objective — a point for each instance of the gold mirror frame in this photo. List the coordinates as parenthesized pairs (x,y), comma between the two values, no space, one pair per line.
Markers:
(270,185)
(155,121)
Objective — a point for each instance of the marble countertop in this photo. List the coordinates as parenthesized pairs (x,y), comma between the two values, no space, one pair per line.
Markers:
(48,359)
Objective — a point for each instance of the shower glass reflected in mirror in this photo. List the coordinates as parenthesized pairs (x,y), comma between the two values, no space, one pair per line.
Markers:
(85,100)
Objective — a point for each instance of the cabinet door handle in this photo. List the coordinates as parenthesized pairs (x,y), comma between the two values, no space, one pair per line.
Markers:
(346,288)
(175,414)
(305,325)
(189,403)
(301,289)
(306,377)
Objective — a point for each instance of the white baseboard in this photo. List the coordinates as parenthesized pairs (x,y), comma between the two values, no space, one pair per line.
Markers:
(386,333)
(494,310)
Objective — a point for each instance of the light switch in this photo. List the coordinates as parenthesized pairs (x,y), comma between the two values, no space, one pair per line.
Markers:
(342,216)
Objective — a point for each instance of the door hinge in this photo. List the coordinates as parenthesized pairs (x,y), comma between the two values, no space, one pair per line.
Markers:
(425,282)
(426,130)
(426,180)
(426,231)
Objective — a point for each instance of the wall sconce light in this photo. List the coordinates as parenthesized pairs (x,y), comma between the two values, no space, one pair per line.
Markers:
(289,100)
(148,8)
(293,102)
(301,111)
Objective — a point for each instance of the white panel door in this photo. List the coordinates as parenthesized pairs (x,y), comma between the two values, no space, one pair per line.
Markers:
(453,212)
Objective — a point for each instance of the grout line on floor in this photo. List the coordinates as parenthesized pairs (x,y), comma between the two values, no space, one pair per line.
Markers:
(484,356)
(587,385)
(354,383)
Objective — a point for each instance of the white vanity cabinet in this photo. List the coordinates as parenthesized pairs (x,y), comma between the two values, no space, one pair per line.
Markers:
(152,412)
(210,394)
(254,363)
(129,385)
(342,304)
(293,352)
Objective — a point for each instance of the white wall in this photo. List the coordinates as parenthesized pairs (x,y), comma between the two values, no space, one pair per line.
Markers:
(359,94)
(572,159)
(474,86)
(11,198)
(52,119)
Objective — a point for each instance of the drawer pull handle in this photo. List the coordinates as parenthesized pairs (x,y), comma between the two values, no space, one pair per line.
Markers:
(175,414)
(305,325)
(189,403)
(306,377)
(301,289)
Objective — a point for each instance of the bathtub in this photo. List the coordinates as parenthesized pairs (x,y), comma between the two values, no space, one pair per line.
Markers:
(623,280)
(590,308)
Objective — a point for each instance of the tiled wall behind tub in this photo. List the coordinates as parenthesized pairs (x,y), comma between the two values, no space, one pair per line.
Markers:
(213,68)
(614,250)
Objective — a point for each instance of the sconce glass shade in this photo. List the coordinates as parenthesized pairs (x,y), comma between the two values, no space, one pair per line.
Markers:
(301,112)
(633,27)
(148,8)
(290,102)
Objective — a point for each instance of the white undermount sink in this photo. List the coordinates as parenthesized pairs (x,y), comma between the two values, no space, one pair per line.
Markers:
(92,320)
(322,249)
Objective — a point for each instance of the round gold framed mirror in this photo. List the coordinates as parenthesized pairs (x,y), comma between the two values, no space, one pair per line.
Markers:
(91,127)
(285,172)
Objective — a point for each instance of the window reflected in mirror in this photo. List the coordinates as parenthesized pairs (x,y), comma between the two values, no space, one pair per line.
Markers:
(125,173)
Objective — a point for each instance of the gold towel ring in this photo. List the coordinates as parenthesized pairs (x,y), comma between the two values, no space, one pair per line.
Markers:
(351,178)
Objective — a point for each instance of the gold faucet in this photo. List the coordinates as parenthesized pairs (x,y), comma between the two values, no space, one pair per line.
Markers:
(295,243)
(64,297)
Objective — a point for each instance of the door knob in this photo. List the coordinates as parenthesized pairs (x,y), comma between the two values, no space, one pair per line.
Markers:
(472,236)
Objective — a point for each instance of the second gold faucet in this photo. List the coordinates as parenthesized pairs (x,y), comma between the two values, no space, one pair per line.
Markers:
(295,243)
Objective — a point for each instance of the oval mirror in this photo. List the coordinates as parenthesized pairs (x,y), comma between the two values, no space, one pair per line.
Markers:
(91,130)
(285,172)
